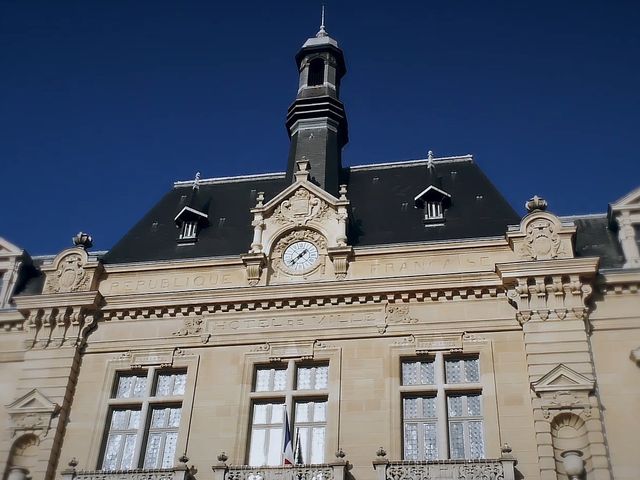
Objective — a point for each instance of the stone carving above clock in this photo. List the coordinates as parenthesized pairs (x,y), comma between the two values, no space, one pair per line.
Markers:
(301,233)
(302,207)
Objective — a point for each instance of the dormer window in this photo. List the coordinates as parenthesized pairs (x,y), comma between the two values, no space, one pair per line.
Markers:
(316,72)
(190,221)
(433,201)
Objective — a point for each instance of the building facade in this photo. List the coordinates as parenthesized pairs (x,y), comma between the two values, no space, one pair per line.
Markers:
(390,321)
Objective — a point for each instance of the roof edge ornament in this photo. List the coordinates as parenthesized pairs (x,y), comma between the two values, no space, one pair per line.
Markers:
(196,181)
(82,240)
(322,32)
(536,204)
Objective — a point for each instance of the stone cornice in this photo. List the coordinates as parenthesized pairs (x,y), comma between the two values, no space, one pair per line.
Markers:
(174,264)
(57,300)
(349,291)
(564,266)
(476,243)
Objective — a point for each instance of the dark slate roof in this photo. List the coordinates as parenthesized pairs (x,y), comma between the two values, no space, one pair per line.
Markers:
(383,211)
(594,238)
(382,201)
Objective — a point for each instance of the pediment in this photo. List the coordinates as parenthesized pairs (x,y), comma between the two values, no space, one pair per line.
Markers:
(8,249)
(32,402)
(563,378)
(188,213)
(432,192)
(631,199)
(292,190)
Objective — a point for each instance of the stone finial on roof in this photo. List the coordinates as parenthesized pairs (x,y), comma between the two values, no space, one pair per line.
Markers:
(322,32)
(536,203)
(303,169)
(430,164)
(196,181)
(83,240)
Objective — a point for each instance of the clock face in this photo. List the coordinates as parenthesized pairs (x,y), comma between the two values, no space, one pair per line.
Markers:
(300,256)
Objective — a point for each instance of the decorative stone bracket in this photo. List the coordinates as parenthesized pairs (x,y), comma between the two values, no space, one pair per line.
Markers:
(340,256)
(59,319)
(254,264)
(549,289)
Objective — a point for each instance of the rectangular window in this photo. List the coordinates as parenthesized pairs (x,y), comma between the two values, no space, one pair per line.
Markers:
(301,391)
(143,423)
(442,409)
(310,428)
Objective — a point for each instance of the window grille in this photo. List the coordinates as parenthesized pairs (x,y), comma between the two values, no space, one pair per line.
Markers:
(144,418)
(442,409)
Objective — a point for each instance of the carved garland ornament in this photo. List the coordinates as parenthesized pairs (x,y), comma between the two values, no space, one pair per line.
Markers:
(69,277)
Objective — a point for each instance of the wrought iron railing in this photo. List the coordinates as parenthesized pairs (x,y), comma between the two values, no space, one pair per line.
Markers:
(325,471)
(485,469)
(177,473)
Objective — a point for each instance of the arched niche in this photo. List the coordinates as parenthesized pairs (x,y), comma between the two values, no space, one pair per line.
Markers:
(569,432)
(22,457)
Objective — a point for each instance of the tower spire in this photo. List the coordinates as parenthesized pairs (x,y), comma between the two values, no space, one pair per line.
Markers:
(322,32)
(316,121)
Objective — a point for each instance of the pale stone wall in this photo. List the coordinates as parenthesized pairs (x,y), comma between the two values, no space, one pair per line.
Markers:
(616,323)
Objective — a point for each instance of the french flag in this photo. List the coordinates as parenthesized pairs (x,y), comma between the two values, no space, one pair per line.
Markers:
(287,451)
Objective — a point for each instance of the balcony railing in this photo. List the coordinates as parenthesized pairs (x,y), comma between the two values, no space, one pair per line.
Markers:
(176,473)
(325,471)
(500,469)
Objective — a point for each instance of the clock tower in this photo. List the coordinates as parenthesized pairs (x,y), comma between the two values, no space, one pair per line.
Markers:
(316,121)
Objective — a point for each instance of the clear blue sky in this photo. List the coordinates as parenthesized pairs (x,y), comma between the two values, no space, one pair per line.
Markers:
(103,104)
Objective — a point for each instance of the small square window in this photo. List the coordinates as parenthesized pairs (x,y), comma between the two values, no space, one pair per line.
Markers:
(270,380)
(462,370)
(312,378)
(170,384)
(418,373)
(130,386)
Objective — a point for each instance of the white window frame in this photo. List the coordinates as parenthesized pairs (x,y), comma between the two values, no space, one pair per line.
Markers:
(289,396)
(441,390)
(145,403)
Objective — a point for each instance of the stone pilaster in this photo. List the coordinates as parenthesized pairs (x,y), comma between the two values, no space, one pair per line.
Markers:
(549,289)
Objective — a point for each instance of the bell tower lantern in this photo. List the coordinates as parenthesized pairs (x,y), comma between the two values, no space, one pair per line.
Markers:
(316,121)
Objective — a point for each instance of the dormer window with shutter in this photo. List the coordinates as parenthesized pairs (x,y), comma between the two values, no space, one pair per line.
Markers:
(434,202)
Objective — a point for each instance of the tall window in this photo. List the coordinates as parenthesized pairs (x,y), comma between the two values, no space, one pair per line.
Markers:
(316,72)
(144,416)
(300,390)
(442,408)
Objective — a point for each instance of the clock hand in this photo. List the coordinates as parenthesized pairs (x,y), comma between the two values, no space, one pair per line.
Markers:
(298,257)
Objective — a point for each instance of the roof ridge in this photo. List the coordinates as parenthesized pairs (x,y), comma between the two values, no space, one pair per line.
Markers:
(233,178)
(411,163)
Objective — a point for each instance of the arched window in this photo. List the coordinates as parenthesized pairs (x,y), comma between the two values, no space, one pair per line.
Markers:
(316,72)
